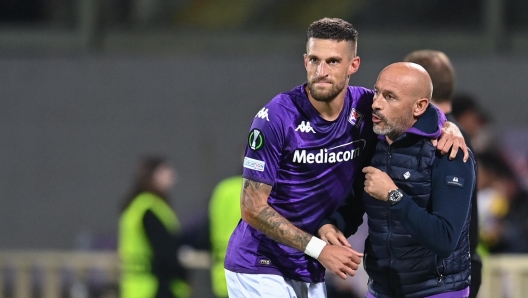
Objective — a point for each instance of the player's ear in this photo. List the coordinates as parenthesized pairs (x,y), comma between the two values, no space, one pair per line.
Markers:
(305,57)
(354,65)
(420,106)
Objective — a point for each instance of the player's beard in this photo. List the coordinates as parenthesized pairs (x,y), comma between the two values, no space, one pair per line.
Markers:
(325,95)
(392,128)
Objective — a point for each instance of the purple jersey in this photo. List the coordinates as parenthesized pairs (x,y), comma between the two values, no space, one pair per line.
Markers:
(311,164)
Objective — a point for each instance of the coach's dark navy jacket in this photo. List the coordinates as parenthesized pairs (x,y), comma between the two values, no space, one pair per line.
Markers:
(420,246)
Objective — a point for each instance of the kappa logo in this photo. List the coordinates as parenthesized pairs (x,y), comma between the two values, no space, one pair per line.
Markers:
(407,175)
(355,118)
(305,127)
(262,114)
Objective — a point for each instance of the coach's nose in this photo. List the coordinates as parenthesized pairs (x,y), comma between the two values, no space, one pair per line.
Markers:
(376,102)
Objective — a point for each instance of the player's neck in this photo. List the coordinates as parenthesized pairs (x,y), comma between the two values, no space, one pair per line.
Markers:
(329,110)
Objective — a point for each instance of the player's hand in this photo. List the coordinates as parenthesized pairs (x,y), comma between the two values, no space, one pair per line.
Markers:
(453,139)
(378,183)
(332,235)
(340,260)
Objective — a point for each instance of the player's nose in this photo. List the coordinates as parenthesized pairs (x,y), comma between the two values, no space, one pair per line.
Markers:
(322,69)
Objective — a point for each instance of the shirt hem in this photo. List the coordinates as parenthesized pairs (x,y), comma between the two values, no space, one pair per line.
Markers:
(274,271)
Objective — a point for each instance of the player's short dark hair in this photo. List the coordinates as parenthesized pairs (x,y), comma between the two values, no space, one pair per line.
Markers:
(334,29)
(440,70)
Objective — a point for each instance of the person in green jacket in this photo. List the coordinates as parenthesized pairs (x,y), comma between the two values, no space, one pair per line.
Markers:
(148,236)
(224,215)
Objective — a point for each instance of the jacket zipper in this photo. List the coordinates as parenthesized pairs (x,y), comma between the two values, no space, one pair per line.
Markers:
(440,281)
(389,221)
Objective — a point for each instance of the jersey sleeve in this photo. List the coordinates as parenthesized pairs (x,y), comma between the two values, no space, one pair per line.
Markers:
(264,145)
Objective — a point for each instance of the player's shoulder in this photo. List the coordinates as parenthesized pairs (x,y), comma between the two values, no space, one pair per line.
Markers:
(360,89)
(359,92)
(288,99)
(284,102)
(361,98)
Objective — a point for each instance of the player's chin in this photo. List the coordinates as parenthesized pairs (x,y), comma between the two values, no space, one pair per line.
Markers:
(321,91)
(325,96)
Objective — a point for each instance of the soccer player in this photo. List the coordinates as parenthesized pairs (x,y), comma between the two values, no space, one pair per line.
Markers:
(442,74)
(305,150)
(417,201)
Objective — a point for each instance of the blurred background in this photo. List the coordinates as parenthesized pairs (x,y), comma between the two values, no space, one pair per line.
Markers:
(89,86)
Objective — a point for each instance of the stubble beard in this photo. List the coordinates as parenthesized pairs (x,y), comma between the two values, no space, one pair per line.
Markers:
(323,95)
(393,128)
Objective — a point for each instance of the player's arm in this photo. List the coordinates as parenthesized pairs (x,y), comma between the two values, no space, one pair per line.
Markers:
(263,155)
(259,214)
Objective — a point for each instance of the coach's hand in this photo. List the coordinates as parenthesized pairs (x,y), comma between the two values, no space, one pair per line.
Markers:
(378,183)
(340,260)
(332,235)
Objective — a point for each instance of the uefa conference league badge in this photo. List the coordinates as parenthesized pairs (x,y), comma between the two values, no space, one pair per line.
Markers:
(256,139)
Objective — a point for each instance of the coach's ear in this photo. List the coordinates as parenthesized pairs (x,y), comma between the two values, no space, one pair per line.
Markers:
(420,105)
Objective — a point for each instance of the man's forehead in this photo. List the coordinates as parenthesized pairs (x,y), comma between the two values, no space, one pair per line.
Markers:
(390,80)
(316,44)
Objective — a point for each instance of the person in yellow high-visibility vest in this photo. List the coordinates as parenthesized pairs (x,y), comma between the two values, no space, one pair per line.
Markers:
(224,214)
(148,236)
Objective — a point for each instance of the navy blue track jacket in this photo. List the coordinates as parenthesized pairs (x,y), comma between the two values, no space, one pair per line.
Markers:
(419,246)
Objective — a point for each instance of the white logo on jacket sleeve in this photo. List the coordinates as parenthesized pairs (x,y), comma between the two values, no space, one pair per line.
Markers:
(305,127)
(262,114)
(253,164)
(407,175)
(455,181)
